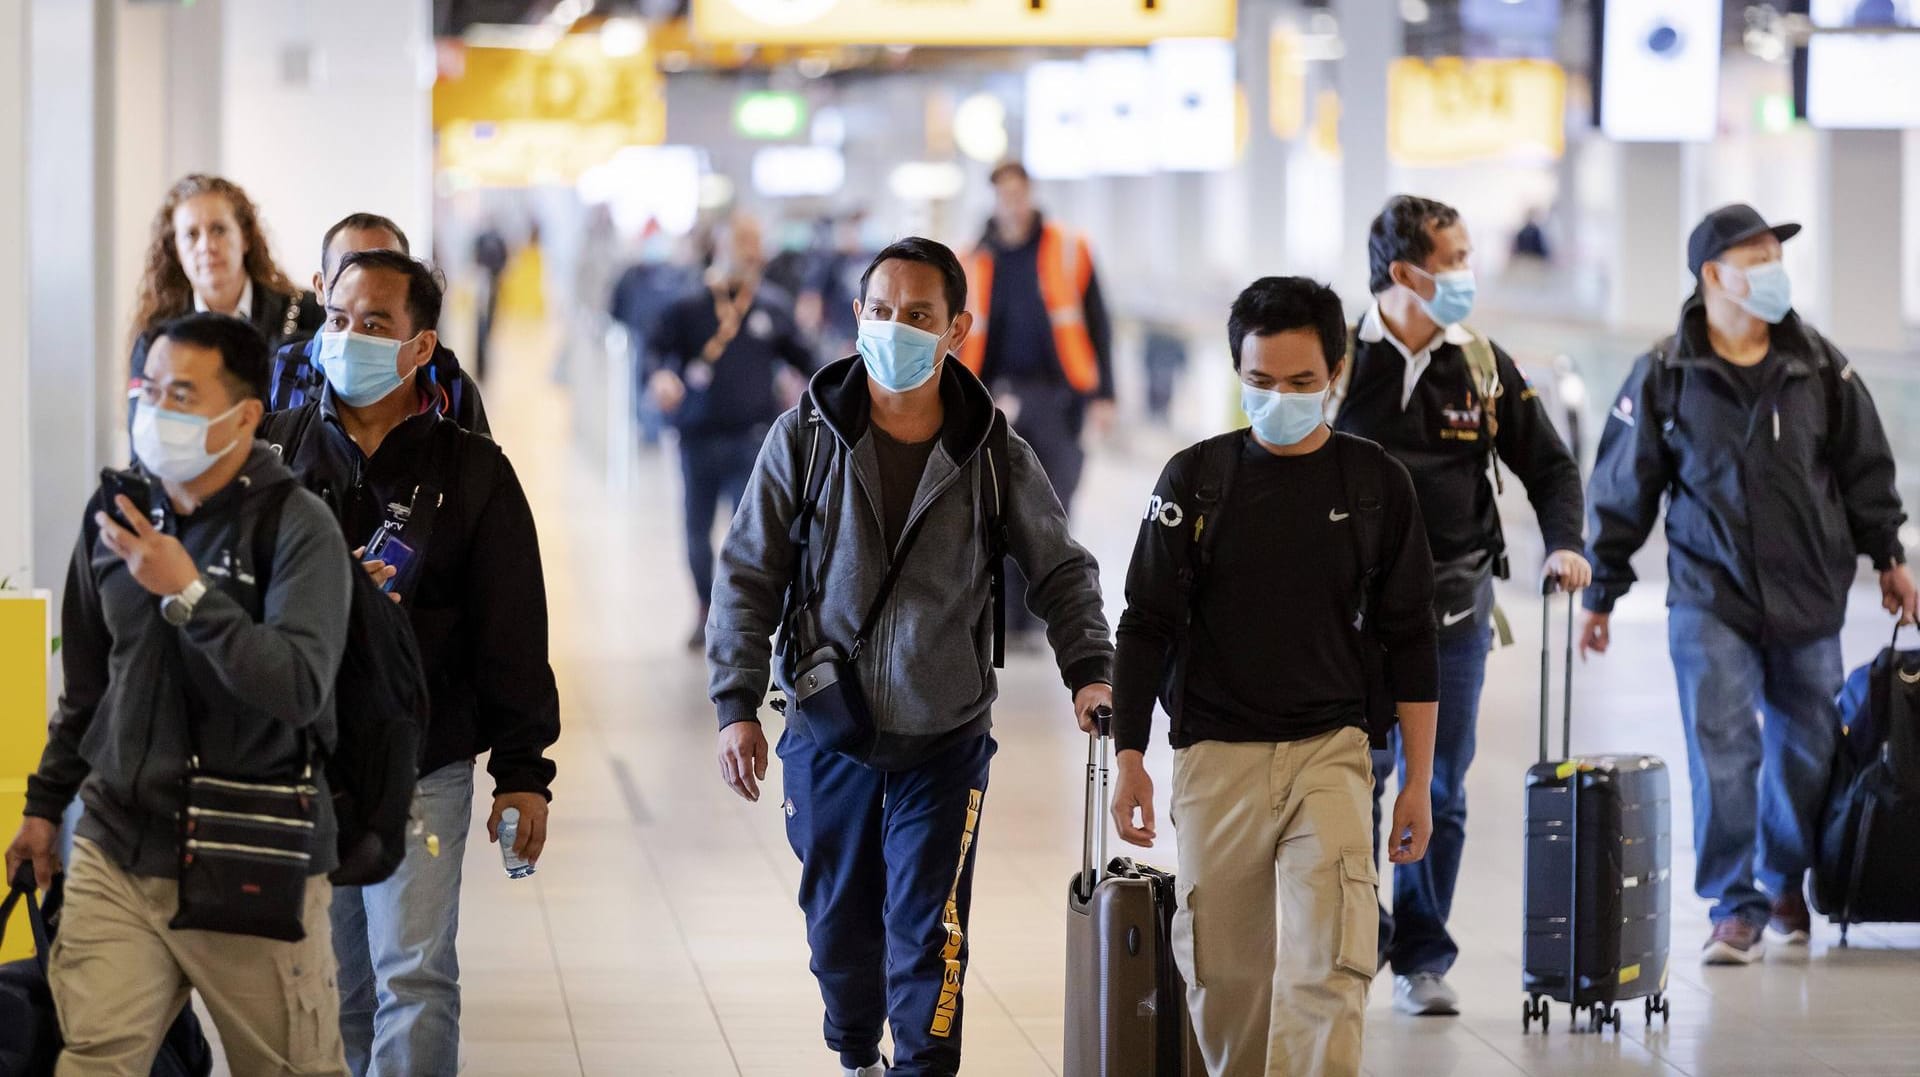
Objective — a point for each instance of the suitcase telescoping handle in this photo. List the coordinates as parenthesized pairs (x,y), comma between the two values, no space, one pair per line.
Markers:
(1099,746)
(1548,586)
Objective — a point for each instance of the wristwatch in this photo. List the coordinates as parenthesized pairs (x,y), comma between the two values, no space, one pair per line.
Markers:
(177,610)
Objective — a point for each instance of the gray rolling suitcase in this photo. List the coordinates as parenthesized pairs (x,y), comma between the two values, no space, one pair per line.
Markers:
(1598,884)
(1126,1002)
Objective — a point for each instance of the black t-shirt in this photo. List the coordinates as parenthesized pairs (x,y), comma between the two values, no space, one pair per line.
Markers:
(1750,381)
(901,466)
(1274,654)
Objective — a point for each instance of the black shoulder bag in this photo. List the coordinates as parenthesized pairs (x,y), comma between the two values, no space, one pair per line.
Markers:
(246,842)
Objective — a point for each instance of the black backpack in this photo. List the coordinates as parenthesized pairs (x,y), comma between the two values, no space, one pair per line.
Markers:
(1361,465)
(380,702)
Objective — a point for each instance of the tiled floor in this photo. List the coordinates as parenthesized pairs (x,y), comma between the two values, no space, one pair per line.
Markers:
(660,935)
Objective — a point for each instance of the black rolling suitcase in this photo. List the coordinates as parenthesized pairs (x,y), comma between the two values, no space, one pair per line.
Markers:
(1868,865)
(1599,855)
(1126,1001)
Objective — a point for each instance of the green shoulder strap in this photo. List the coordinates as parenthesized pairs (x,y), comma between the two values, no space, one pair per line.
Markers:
(1484,367)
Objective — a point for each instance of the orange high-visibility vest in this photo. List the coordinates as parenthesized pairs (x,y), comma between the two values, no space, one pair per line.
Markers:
(1066,269)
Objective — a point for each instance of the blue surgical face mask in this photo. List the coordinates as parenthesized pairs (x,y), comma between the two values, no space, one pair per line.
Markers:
(1452,296)
(1283,418)
(1769,292)
(173,444)
(362,370)
(899,357)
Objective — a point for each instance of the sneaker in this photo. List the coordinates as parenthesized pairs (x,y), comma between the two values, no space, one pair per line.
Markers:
(878,1069)
(1792,921)
(1734,942)
(1424,994)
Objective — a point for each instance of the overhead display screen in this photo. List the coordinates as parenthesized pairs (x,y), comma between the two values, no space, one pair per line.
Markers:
(1660,70)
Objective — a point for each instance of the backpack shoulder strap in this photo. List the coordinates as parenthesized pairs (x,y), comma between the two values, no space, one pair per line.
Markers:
(1217,464)
(815,456)
(1362,464)
(264,533)
(287,430)
(999,500)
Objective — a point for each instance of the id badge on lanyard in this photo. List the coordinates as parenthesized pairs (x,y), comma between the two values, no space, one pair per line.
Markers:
(391,544)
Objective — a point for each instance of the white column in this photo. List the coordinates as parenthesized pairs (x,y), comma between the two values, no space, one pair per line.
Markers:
(1373,40)
(1265,166)
(1649,275)
(76,353)
(16,501)
(1858,238)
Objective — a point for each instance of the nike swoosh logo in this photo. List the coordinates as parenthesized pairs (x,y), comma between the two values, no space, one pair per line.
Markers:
(1452,619)
(1336,515)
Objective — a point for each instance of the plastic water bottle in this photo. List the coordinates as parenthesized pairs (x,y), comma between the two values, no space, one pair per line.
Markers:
(509,830)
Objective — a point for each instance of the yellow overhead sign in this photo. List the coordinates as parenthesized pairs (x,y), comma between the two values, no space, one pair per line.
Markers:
(959,22)
(574,82)
(1452,111)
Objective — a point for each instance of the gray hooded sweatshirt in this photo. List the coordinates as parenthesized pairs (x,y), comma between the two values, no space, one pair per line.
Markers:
(927,673)
(258,686)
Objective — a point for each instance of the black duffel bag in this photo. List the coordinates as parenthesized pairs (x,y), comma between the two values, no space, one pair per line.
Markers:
(29,1029)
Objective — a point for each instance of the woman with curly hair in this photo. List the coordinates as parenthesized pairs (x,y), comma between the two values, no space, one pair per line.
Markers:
(207,252)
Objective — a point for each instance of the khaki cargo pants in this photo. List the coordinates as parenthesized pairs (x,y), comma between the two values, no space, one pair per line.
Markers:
(119,976)
(1289,826)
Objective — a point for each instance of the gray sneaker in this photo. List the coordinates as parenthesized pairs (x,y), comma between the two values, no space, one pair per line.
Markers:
(878,1069)
(1424,994)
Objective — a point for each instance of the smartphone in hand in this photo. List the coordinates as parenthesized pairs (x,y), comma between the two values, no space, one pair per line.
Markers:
(131,485)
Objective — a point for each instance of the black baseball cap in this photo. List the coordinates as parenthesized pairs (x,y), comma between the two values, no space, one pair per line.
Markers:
(1728,227)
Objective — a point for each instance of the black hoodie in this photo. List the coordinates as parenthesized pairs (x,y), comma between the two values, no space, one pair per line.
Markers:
(261,691)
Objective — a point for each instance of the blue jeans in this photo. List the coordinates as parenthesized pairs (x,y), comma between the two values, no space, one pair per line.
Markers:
(1413,935)
(886,882)
(399,975)
(713,468)
(1761,731)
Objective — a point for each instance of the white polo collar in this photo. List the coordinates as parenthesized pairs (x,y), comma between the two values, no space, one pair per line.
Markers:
(1373,330)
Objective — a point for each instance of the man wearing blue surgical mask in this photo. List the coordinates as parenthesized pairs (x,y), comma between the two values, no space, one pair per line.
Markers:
(460,552)
(1777,477)
(874,527)
(1280,607)
(1452,407)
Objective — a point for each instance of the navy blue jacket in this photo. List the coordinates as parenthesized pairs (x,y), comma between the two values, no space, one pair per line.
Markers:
(1769,502)
(734,394)
(296,378)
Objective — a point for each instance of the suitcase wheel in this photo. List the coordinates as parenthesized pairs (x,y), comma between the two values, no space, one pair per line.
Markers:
(1535,1008)
(1602,1016)
(1658,1004)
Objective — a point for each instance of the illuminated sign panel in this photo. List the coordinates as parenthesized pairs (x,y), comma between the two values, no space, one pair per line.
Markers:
(958,22)
(1660,70)
(1451,111)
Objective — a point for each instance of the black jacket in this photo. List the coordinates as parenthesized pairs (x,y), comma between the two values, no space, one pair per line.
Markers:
(280,318)
(734,394)
(258,686)
(1769,504)
(1437,437)
(478,600)
(295,379)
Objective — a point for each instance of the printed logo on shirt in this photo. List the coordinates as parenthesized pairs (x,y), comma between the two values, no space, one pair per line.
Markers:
(1168,513)
(760,325)
(1623,411)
